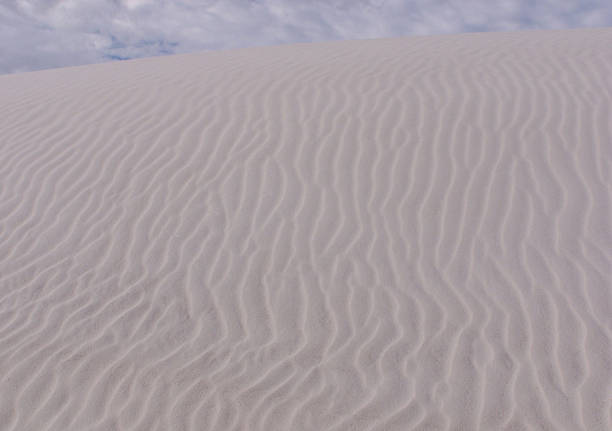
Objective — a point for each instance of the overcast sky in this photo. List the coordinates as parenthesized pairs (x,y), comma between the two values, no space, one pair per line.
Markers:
(41,34)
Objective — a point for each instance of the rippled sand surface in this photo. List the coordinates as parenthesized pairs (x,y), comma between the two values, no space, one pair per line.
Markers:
(402,234)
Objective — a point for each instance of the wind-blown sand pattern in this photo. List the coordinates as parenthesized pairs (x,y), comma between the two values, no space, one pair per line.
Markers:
(405,234)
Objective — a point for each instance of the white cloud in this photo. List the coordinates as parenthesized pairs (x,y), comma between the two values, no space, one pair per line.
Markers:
(37,34)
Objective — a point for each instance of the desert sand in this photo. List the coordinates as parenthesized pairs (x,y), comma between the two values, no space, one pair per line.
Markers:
(397,234)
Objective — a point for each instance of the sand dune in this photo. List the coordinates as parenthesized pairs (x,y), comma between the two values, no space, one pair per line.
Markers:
(403,234)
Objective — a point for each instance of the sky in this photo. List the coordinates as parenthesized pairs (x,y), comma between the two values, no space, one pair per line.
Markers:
(43,34)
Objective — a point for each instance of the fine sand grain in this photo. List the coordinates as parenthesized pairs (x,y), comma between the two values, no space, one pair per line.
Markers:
(404,234)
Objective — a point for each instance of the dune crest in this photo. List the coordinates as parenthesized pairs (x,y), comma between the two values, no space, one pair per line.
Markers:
(401,234)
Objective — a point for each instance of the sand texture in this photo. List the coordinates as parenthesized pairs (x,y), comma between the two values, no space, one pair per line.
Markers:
(401,234)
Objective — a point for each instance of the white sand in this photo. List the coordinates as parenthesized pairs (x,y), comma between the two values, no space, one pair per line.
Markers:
(408,234)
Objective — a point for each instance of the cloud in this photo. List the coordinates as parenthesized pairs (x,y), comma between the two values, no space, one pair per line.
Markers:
(37,34)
